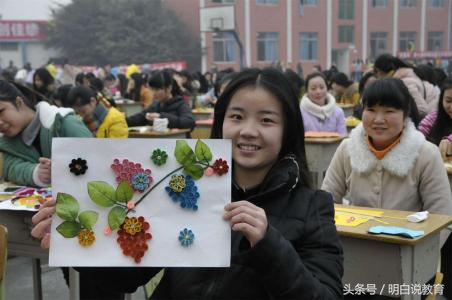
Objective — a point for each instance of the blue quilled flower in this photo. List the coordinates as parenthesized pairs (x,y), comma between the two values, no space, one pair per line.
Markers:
(186,237)
(140,181)
(187,196)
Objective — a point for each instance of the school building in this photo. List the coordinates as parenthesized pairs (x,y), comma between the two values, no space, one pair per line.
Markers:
(318,32)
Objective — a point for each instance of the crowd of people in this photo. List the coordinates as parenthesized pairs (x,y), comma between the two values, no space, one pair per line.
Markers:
(284,240)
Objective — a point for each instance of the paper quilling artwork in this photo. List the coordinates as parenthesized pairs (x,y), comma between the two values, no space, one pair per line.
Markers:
(140,202)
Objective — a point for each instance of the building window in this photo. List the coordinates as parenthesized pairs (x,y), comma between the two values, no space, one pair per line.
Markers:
(346,9)
(308,45)
(9,46)
(407,3)
(267,2)
(435,41)
(435,3)
(224,1)
(267,46)
(407,41)
(378,43)
(223,47)
(346,34)
(379,3)
(309,2)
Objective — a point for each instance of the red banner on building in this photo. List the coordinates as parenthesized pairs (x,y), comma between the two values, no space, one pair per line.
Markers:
(22,30)
(425,54)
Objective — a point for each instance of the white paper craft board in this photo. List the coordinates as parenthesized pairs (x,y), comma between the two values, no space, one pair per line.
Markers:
(212,244)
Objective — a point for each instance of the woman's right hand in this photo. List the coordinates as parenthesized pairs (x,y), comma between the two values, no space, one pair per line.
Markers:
(42,221)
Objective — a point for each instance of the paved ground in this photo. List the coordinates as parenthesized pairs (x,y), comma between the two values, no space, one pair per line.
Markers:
(19,282)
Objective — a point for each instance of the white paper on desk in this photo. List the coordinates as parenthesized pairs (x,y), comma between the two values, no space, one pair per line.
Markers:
(8,205)
(212,244)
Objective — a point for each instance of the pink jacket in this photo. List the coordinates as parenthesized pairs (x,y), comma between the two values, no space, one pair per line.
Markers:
(427,123)
(425,94)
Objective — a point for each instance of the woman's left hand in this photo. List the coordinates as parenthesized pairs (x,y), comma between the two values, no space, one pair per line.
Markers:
(247,218)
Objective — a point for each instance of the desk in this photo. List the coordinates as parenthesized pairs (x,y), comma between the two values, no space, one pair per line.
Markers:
(129,108)
(386,259)
(347,108)
(202,113)
(319,153)
(203,129)
(147,132)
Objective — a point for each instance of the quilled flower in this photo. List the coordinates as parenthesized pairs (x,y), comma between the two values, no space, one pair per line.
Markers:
(159,157)
(130,204)
(186,237)
(86,237)
(177,183)
(78,166)
(107,230)
(188,197)
(220,166)
(134,245)
(129,171)
(140,181)
(132,225)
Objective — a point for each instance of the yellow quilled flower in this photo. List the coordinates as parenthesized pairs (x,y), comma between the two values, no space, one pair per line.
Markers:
(177,183)
(132,225)
(86,237)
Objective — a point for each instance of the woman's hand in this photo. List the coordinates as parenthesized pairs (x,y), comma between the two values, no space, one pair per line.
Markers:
(152,116)
(445,147)
(42,221)
(247,218)
(44,170)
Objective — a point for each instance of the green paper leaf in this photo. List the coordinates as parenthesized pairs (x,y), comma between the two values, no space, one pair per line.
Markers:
(88,218)
(69,229)
(102,193)
(184,154)
(202,152)
(67,207)
(195,171)
(116,217)
(124,192)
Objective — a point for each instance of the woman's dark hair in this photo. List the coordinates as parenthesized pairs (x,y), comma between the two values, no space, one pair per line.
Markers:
(443,124)
(440,76)
(96,84)
(425,72)
(46,79)
(122,79)
(9,91)
(79,96)
(162,79)
(341,79)
(314,75)
(62,94)
(388,63)
(295,80)
(139,81)
(276,84)
(363,81)
(391,92)
(79,78)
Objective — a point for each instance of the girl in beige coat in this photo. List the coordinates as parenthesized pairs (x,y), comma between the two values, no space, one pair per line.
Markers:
(386,162)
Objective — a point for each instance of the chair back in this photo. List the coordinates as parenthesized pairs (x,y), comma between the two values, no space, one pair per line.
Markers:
(3,259)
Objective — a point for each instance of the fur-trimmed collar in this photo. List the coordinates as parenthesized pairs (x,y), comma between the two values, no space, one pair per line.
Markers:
(47,113)
(321,112)
(399,161)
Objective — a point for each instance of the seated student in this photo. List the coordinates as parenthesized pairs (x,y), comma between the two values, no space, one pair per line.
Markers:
(386,162)
(138,91)
(437,125)
(319,109)
(28,131)
(284,241)
(346,91)
(102,121)
(168,103)
(43,84)
(365,81)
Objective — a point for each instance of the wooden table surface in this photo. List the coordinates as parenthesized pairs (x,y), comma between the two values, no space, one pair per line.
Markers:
(146,131)
(433,224)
